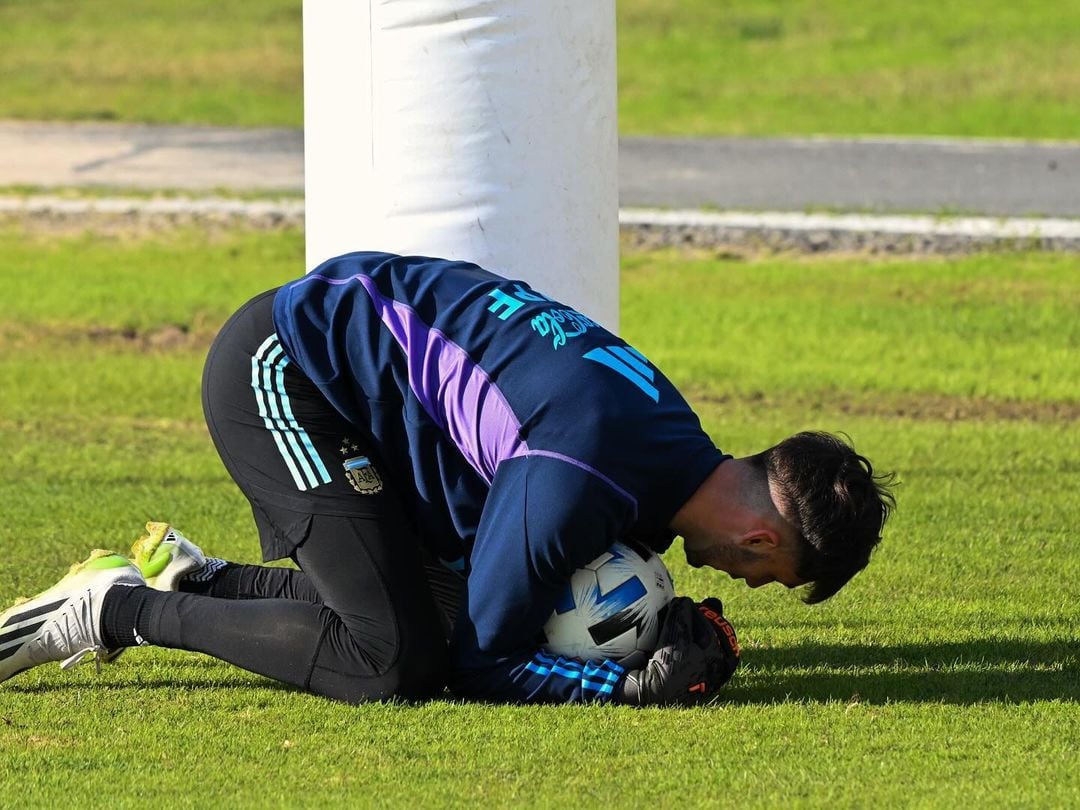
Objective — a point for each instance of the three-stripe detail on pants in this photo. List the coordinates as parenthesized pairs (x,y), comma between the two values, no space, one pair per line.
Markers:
(294,444)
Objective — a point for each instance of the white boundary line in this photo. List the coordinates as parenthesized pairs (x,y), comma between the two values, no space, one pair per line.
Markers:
(151,206)
(969,228)
(914,141)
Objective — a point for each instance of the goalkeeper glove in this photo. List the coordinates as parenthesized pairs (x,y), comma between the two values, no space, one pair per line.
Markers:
(697,653)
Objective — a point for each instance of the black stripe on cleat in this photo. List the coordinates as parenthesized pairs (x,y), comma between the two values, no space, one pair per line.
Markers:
(10,651)
(29,630)
(34,612)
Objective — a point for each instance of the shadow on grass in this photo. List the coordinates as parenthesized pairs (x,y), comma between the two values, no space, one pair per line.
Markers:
(967,673)
(962,673)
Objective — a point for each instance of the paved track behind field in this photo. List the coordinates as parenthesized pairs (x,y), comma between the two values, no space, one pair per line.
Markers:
(785,194)
(791,174)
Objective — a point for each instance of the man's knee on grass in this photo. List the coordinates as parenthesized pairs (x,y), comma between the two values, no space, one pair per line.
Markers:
(408,660)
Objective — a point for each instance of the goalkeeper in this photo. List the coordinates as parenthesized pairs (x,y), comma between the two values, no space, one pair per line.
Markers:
(437,448)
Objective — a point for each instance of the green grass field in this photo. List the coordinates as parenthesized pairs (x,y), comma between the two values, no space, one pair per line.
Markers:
(947,673)
(687,67)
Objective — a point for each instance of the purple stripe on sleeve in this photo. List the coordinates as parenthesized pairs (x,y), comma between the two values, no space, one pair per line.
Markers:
(453,390)
(583,466)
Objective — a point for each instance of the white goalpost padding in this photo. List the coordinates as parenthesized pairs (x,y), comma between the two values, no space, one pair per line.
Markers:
(483,131)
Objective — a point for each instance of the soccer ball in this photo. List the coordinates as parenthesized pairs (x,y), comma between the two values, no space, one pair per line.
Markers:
(611,608)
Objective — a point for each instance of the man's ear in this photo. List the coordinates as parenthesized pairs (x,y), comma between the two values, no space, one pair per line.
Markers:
(761,541)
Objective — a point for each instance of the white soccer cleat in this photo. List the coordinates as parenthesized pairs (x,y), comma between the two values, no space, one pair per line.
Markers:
(164,556)
(63,623)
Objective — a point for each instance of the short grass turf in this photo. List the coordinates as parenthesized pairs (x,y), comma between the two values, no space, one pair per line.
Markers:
(947,673)
(686,67)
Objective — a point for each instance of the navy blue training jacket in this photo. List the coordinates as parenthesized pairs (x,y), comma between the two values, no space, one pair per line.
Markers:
(524,438)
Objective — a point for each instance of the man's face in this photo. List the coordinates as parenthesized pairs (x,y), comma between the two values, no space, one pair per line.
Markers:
(780,567)
(756,565)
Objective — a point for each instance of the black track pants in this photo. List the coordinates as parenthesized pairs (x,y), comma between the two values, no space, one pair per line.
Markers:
(360,622)
(350,627)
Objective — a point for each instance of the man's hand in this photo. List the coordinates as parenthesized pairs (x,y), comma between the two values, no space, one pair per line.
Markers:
(713,610)
(697,653)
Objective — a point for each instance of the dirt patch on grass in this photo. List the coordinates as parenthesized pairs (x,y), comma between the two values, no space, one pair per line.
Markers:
(137,225)
(162,338)
(170,337)
(922,407)
(75,430)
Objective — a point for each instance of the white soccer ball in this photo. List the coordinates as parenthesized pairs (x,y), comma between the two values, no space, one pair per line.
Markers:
(611,608)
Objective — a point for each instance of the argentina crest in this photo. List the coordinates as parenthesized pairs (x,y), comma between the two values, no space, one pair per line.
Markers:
(361,473)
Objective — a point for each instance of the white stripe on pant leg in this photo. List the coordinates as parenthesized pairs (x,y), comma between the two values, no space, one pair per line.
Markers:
(286,408)
(279,422)
(270,383)
(255,375)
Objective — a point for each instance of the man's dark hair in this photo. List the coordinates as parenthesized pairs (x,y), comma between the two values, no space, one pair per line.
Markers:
(835,500)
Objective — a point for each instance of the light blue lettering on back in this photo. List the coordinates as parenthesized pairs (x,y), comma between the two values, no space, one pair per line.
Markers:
(507,303)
